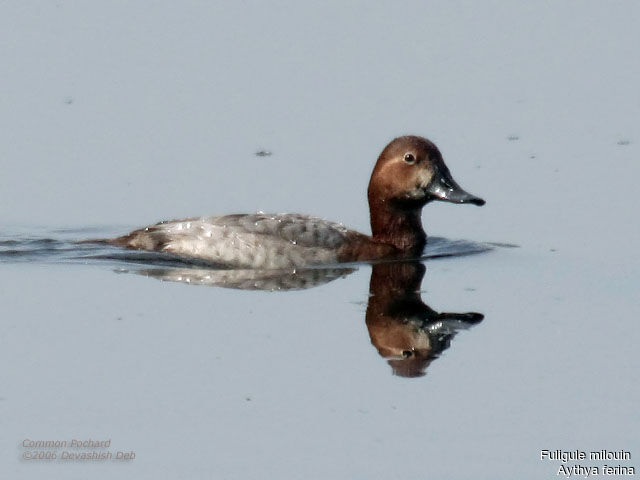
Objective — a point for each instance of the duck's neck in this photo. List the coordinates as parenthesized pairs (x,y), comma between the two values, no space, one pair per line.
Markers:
(397,226)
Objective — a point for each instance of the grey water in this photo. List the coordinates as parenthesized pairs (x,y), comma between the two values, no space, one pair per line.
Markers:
(116,115)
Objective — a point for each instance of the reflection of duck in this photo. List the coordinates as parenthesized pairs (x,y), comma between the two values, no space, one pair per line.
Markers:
(409,173)
(403,329)
(173,269)
(271,280)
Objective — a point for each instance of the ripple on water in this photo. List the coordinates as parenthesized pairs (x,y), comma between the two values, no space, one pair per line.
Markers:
(61,246)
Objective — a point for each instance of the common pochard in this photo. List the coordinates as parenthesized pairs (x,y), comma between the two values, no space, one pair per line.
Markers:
(409,173)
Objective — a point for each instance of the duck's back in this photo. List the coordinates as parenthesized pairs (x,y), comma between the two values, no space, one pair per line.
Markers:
(245,240)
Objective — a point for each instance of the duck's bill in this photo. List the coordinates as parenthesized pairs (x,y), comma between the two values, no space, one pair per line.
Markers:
(444,188)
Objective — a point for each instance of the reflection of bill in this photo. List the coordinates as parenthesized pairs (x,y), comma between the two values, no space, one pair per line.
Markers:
(406,331)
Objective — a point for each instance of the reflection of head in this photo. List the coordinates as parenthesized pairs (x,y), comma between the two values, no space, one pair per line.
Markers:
(410,367)
(403,329)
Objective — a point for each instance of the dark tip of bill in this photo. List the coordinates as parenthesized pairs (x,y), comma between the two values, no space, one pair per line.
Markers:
(475,200)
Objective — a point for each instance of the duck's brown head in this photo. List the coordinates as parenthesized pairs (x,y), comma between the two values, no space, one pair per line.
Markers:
(409,173)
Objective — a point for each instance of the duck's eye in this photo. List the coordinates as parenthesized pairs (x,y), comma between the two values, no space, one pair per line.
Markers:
(407,353)
(409,158)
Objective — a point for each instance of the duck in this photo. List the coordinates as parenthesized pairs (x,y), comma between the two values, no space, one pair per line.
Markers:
(409,173)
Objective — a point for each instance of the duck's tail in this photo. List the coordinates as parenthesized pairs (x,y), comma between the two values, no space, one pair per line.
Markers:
(150,238)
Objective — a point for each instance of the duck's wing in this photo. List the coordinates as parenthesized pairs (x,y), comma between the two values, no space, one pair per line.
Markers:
(245,240)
